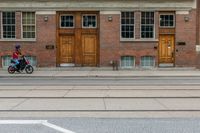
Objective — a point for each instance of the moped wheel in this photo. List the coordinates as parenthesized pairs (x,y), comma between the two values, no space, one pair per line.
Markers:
(11,69)
(29,69)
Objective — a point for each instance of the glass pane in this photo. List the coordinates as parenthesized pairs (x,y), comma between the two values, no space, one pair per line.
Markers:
(162,23)
(123,28)
(123,35)
(167,20)
(67,21)
(32,60)
(171,23)
(89,21)
(127,61)
(131,34)
(127,22)
(6,61)
(147,61)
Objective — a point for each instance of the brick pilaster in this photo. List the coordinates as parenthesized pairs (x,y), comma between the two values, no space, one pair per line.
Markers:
(18,25)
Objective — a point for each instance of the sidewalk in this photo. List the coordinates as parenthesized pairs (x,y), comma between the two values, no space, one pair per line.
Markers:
(105,101)
(103,72)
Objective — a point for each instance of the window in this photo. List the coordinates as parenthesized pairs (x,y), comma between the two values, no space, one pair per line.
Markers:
(6,61)
(89,21)
(28,24)
(167,20)
(66,21)
(8,24)
(127,61)
(32,60)
(127,25)
(147,24)
(147,61)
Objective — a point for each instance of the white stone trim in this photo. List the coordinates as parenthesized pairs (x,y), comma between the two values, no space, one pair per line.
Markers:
(110,12)
(46,12)
(197,48)
(194,4)
(182,12)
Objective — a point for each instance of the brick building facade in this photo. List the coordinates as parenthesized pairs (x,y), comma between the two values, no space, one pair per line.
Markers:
(94,33)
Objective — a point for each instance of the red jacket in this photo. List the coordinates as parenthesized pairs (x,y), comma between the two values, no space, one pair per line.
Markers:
(16,55)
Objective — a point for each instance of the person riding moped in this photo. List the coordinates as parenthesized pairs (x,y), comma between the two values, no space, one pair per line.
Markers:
(16,56)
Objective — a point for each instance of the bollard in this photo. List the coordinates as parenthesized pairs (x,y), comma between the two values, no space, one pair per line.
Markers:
(114,64)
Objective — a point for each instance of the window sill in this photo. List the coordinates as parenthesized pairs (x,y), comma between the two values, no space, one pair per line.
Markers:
(140,40)
(18,40)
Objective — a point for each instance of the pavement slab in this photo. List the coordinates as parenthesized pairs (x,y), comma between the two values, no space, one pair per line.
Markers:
(148,93)
(46,93)
(9,104)
(18,87)
(62,104)
(71,73)
(97,91)
(86,93)
(55,87)
(91,87)
(133,104)
(181,87)
(180,103)
(13,93)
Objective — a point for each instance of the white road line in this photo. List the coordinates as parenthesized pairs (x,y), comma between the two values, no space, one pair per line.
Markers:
(57,127)
(43,122)
(22,121)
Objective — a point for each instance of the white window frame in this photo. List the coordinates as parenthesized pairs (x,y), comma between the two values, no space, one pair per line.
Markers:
(154,34)
(125,67)
(167,26)
(23,30)
(2,60)
(30,58)
(154,62)
(73,21)
(95,20)
(2,26)
(126,39)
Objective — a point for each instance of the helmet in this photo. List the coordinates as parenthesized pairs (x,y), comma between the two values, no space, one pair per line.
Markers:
(17,46)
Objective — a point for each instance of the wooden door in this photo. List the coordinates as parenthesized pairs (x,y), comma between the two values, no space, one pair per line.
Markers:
(166,49)
(89,46)
(78,38)
(66,49)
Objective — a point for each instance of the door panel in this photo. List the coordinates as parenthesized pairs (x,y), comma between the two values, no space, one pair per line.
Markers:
(166,49)
(67,49)
(89,45)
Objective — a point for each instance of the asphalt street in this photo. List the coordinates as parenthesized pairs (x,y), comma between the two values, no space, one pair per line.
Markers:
(104,125)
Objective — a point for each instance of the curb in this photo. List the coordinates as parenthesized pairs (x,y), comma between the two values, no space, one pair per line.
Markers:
(100,76)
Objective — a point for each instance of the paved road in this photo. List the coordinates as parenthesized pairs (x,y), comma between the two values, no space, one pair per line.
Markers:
(94,125)
(89,81)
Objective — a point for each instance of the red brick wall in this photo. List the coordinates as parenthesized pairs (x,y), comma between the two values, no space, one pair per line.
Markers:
(198,33)
(111,48)
(198,17)
(109,39)
(46,35)
(0,26)
(186,32)
(137,24)
(18,24)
